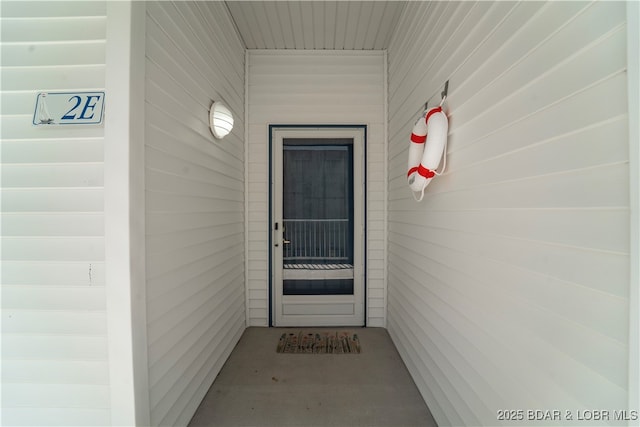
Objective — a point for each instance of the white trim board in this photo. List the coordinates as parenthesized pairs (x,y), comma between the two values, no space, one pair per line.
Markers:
(633,79)
(124,213)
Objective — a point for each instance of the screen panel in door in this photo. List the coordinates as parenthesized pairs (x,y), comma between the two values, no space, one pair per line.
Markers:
(318,217)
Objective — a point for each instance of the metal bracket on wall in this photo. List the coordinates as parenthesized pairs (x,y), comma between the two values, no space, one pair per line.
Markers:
(443,95)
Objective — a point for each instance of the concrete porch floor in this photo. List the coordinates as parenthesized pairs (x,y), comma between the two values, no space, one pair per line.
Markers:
(259,387)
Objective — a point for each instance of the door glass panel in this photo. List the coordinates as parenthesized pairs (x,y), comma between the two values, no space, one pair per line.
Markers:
(318,217)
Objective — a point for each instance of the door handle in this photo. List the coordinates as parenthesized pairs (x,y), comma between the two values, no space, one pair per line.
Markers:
(286,242)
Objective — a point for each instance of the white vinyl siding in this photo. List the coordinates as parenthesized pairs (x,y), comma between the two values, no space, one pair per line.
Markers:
(320,25)
(325,88)
(194,203)
(509,282)
(54,329)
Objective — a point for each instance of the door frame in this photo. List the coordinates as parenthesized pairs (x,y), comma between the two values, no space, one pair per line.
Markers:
(273,129)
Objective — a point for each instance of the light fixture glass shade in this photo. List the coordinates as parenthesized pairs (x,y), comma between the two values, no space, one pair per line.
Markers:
(220,120)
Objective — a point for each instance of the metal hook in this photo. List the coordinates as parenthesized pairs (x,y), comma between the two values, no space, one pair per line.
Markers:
(444,93)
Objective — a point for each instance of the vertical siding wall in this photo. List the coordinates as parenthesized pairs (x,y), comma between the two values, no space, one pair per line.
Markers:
(54,343)
(194,203)
(508,284)
(320,87)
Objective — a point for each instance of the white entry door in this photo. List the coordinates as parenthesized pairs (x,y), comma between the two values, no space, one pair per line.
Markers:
(318,226)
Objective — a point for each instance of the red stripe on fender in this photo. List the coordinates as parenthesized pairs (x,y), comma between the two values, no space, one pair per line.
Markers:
(427,173)
(418,139)
(412,170)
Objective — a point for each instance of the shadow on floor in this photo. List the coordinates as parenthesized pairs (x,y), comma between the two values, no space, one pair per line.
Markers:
(259,387)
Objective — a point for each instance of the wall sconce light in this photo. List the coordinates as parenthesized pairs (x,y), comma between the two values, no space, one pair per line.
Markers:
(220,120)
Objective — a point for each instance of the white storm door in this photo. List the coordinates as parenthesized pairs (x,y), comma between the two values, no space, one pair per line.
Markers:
(318,226)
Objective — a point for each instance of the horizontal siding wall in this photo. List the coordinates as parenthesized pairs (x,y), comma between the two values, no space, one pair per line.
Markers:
(194,203)
(54,331)
(314,87)
(508,283)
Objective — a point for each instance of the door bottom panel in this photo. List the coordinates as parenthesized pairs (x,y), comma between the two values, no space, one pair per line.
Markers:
(318,309)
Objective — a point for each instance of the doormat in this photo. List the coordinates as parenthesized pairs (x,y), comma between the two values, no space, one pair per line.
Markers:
(329,342)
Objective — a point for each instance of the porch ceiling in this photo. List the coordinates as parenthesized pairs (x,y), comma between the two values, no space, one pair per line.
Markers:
(340,25)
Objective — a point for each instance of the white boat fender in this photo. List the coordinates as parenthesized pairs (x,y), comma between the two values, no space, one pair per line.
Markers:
(428,144)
